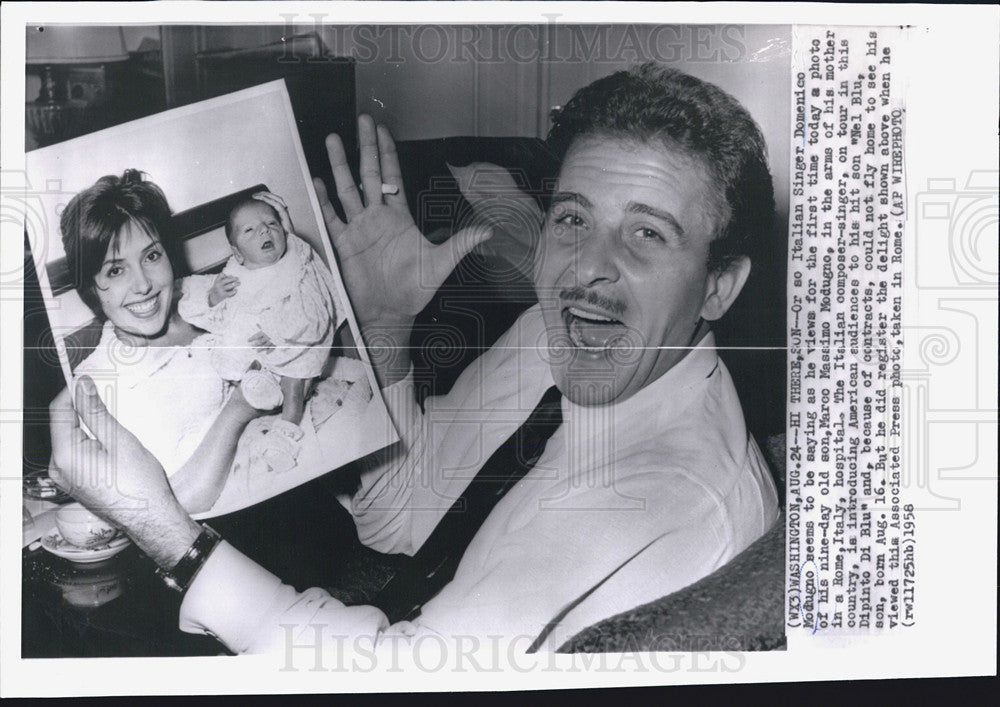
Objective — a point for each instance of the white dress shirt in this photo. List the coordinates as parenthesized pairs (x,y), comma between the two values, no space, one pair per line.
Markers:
(628,503)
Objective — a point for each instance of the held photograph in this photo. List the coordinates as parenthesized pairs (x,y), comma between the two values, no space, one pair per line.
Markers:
(567,265)
(187,287)
(189,284)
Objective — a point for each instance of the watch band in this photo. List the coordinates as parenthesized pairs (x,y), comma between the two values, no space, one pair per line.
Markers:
(183,573)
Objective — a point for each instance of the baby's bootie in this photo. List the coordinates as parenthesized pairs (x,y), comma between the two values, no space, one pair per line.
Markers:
(275,448)
(347,386)
(261,389)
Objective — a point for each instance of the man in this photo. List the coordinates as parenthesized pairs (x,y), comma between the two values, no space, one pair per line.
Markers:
(649,480)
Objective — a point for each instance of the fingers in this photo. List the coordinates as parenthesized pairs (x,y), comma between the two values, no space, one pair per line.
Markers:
(333,223)
(279,205)
(273,199)
(347,190)
(64,429)
(260,341)
(379,165)
(456,248)
(56,475)
(73,464)
(389,161)
(95,415)
(371,174)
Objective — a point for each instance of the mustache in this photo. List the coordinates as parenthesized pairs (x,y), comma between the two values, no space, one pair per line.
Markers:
(581,294)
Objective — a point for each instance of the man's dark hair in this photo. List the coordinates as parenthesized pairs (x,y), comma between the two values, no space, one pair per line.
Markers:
(93,219)
(652,102)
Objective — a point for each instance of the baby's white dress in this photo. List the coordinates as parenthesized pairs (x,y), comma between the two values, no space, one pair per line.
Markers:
(292,302)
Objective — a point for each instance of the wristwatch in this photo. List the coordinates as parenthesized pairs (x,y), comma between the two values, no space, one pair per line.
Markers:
(183,573)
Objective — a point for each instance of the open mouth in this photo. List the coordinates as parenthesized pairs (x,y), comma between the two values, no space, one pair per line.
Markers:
(592,331)
(267,245)
(146,308)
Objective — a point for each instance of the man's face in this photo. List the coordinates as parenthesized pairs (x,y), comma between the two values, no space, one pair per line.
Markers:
(258,238)
(621,270)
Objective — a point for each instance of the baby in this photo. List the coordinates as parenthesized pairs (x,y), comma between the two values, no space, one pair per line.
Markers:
(271,313)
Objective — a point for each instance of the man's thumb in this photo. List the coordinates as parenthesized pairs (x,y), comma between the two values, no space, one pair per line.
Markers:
(92,410)
(462,243)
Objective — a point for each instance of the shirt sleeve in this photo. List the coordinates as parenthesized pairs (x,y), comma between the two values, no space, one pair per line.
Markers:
(249,610)
(380,506)
(408,487)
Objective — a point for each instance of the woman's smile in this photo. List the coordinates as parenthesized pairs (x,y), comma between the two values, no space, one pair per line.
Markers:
(146,308)
(135,283)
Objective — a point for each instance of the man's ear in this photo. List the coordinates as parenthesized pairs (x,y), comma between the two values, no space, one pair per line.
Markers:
(236,254)
(723,288)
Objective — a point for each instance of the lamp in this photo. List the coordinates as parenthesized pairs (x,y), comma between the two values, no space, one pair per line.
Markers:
(57,49)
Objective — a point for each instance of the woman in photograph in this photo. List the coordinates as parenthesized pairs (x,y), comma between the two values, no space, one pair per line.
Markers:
(150,365)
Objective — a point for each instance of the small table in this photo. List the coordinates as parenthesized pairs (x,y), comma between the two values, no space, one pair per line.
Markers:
(120,608)
(113,608)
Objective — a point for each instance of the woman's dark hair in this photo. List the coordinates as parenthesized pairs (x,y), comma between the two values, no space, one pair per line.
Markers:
(652,102)
(95,216)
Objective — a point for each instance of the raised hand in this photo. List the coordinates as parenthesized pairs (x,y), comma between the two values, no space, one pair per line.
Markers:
(390,270)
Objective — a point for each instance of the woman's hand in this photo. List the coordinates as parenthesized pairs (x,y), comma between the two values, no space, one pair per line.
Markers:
(390,270)
(199,482)
(115,476)
(279,205)
(238,408)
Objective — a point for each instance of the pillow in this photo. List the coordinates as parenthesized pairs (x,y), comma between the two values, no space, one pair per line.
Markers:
(498,201)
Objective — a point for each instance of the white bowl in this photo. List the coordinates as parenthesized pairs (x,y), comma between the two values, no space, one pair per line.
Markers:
(80,527)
